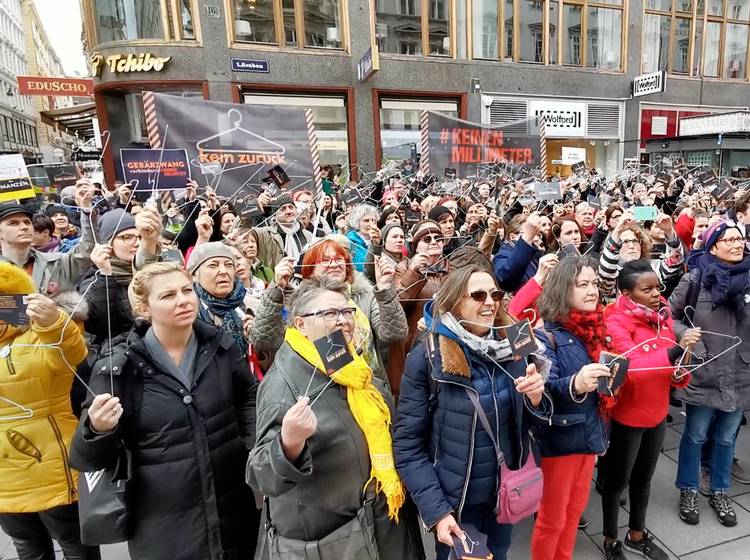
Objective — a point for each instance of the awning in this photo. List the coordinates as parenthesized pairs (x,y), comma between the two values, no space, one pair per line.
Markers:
(73,120)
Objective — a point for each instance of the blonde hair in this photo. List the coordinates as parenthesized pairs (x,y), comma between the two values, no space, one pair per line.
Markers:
(140,287)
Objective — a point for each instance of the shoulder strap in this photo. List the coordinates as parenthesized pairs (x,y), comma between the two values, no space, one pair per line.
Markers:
(430,346)
(694,289)
(485,423)
(550,339)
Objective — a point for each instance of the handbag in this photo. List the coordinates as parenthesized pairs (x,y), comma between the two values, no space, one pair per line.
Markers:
(520,491)
(103,502)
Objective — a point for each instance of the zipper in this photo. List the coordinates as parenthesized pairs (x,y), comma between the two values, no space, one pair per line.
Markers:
(9,362)
(520,488)
(64,452)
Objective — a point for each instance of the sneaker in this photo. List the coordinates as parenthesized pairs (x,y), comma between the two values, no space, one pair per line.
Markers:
(739,474)
(613,551)
(689,507)
(722,505)
(582,523)
(704,486)
(646,547)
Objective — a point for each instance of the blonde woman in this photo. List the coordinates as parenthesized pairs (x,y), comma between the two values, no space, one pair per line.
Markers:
(184,406)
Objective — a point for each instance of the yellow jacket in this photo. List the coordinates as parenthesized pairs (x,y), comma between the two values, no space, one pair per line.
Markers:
(34,470)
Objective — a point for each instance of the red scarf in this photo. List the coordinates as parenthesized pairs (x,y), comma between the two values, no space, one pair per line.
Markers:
(589,327)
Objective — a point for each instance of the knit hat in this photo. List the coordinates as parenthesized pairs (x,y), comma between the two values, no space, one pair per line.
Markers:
(712,234)
(53,209)
(207,251)
(438,212)
(283,199)
(9,208)
(423,228)
(114,222)
(386,230)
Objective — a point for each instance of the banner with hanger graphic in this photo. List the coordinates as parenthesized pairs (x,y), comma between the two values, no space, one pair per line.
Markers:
(230,146)
(464,146)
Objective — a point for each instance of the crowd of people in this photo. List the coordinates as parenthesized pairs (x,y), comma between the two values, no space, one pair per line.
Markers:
(334,380)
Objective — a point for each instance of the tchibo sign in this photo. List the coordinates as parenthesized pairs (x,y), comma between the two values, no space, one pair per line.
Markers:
(649,83)
(562,119)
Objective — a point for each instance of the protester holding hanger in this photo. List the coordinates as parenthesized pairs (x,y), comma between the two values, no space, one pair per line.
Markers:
(38,494)
(566,231)
(380,320)
(574,336)
(324,456)
(257,267)
(184,408)
(641,329)
(392,248)
(285,238)
(363,223)
(517,260)
(714,297)
(447,450)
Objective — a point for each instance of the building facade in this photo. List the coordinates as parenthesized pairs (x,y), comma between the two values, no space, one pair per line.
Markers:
(491,61)
(18,131)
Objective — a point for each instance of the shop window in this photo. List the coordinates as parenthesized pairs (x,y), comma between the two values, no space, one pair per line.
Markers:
(399,125)
(604,38)
(415,27)
(655,43)
(681,46)
(129,20)
(329,116)
(554,13)
(572,25)
(735,51)
(284,22)
(531,22)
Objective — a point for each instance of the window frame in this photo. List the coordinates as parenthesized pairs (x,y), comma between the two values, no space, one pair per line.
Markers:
(299,29)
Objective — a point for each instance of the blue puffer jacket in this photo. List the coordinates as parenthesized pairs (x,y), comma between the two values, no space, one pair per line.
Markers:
(576,427)
(358,248)
(514,264)
(438,442)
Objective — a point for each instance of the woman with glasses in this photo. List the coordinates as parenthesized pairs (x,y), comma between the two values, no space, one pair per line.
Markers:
(443,453)
(715,297)
(379,320)
(574,336)
(628,242)
(324,456)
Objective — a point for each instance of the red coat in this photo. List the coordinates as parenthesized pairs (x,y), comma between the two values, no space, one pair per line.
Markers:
(643,401)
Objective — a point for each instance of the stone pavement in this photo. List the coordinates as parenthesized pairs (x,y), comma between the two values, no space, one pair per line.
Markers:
(707,541)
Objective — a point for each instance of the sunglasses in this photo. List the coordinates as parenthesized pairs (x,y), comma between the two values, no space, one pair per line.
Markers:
(480,296)
(432,238)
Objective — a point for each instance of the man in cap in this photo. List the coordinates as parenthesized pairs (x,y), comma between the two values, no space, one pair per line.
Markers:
(286,238)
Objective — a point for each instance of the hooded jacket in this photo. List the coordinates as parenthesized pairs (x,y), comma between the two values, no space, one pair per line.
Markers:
(35,433)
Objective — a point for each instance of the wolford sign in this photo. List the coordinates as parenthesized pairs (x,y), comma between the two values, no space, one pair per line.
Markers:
(723,123)
(64,87)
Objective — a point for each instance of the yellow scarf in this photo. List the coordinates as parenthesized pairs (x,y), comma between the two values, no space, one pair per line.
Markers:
(371,413)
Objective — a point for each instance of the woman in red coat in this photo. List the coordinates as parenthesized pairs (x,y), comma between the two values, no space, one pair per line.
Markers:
(640,327)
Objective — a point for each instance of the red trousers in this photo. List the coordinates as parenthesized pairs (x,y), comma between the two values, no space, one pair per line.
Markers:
(567,483)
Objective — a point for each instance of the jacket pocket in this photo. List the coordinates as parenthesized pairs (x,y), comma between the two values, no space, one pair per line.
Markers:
(18,450)
(566,436)
(567,420)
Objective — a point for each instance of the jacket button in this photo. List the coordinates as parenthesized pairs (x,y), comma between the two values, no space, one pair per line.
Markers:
(182,391)
(564,422)
(140,364)
(187,399)
(104,368)
(115,368)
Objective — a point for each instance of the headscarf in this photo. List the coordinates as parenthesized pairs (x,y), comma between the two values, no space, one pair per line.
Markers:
(225,309)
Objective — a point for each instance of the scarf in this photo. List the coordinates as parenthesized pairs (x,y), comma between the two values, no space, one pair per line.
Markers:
(498,350)
(645,314)
(122,271)
(225,309)
(292,247)
(728,283)
(589,328)
(371,414)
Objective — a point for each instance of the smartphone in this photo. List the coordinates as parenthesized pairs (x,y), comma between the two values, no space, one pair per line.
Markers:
(645,213)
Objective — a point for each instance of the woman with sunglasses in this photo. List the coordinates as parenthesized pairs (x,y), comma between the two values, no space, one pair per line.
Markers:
(574,336)
(444,455)
(379,320)
(324,455)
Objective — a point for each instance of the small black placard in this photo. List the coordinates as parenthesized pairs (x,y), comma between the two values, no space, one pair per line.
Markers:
(334,351)
(279,176)
(521,339)
(473,546)
(618,368)
(13,309)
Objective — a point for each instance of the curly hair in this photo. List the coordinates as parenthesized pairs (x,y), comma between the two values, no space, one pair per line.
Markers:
(359,212)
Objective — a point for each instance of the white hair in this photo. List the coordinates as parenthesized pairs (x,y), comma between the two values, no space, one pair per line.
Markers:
(359,212)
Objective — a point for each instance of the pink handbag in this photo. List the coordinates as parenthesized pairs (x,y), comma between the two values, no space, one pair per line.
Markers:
(520,491)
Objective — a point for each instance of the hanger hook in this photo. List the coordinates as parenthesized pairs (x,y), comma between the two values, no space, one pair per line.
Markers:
(238,117)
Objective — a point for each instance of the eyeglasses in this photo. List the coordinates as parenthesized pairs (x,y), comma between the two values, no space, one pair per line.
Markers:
(332,315)
(128,237)
(432,238)
(480,296)
(338,261)
(732,241)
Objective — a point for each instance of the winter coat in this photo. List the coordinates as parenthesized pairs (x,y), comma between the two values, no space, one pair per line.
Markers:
(724,383)
(271,244)
(358,247)
(643,400)
(323,489)
(576,427)
(110,310)
(515,264)
(381,308)
(34,441)
(439,443)
(188,445)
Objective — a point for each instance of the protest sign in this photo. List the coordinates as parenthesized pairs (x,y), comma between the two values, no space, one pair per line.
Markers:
(13,309)
(14,178)
(462,146)
(547,191)
(149,169)
(61,175)
(234,145)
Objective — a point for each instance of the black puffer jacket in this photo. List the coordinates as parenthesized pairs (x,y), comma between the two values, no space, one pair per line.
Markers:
(189,448)
(107,313)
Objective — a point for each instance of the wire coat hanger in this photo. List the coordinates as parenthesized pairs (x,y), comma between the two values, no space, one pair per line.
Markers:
(200,145)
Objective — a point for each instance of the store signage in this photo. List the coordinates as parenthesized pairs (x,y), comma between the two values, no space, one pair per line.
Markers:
(562,119)
(126,63)
(573,155)
(646,84)
(368,64)
(246,65)
(15,183)
(64,87)
(723,123)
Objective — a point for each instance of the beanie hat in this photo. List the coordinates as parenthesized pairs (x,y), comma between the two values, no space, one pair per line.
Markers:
(283,199)
(712,234)
(114,222)
(386,230)
(423,228)
(438,212)
(53,209)
(207,251)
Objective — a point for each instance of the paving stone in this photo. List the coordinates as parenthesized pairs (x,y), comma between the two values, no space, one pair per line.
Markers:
(738,549)
(671,439)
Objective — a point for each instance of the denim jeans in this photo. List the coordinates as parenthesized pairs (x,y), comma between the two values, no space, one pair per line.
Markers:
(696,433)
(484,519)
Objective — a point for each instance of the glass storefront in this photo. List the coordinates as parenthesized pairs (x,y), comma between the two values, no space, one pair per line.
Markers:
(399,125)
